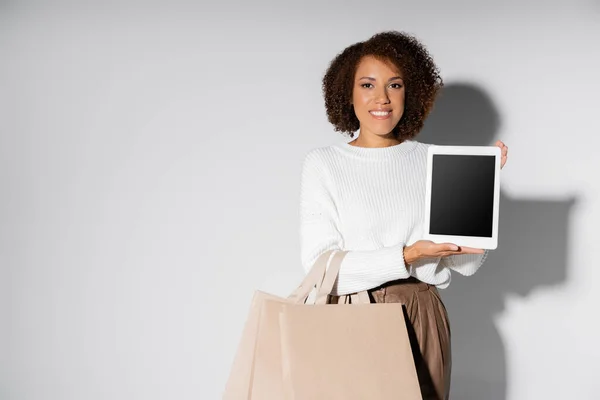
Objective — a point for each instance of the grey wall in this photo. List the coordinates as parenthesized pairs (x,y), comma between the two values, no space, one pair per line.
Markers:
(149,165)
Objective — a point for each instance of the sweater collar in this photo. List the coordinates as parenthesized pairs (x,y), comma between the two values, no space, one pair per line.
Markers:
(378,153)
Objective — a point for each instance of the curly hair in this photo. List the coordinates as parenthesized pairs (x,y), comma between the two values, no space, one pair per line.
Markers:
(420,74)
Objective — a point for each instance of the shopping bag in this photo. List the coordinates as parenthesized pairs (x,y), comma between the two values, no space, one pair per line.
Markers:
(298,348)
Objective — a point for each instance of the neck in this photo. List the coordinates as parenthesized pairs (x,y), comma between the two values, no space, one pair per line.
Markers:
(374,141)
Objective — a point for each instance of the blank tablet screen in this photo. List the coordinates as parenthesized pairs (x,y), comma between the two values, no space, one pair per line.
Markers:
(462,195)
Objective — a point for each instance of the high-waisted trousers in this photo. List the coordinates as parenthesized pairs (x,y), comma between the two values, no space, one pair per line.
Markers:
(428,331)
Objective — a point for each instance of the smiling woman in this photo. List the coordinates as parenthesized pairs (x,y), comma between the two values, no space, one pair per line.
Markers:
(366,196)
(389,64)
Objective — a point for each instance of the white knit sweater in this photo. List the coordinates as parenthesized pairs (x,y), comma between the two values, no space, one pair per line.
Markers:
(370,201)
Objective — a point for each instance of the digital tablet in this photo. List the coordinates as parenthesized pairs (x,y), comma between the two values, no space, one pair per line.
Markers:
(462,196)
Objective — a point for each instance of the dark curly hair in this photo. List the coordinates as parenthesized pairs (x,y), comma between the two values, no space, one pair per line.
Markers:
(420,74)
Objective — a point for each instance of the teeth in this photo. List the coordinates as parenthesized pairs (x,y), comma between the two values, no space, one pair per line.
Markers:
(380,113)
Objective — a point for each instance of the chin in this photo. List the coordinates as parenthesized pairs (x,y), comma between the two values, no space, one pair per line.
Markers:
(382,132)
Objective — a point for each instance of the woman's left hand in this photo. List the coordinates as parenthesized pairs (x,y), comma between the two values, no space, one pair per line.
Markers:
(503,151)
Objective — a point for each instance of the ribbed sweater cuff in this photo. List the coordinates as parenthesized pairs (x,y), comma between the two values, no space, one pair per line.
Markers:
(363,270)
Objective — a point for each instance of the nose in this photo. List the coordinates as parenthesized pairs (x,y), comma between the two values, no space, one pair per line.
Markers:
(381,97)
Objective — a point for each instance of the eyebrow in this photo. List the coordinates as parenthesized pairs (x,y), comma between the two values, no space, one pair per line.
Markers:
(373,79)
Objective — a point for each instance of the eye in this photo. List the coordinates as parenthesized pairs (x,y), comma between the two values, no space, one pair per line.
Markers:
(364,84)
(397,85)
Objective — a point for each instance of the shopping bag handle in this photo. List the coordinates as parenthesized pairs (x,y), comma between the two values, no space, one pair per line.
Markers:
(330,276)
(355,298)
(316,277)
(324,277)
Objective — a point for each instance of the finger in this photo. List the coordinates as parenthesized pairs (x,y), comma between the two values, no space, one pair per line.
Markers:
(464,250)
(500,144)
(450,253)
(441,247)
(471,250)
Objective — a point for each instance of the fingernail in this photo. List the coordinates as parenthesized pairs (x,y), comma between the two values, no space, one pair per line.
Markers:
(454,248)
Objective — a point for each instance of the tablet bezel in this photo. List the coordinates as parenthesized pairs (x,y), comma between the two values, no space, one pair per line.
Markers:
(467,241)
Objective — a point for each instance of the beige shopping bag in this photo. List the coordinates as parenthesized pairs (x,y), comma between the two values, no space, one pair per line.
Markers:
(295,349)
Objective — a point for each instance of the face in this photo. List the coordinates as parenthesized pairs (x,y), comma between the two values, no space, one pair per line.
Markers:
(377,96)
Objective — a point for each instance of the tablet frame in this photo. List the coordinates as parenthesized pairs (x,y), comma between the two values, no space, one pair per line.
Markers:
(467,241)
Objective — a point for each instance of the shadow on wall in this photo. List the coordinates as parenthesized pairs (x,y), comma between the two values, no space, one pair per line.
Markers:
(532,252)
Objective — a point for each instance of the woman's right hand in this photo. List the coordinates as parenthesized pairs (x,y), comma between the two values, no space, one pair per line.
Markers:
(428,249)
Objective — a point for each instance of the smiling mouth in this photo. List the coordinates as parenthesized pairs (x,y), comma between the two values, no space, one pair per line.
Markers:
(381,114)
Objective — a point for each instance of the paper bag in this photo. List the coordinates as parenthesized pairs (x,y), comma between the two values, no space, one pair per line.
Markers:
(293,349)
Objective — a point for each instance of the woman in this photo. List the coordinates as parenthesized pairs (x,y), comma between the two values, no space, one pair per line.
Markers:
(366,196)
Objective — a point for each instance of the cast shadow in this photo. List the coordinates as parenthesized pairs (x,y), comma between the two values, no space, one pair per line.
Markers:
(532,252)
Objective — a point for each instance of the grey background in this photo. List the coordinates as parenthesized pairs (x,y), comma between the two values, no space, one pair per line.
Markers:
(150,159)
